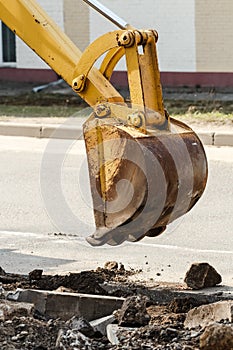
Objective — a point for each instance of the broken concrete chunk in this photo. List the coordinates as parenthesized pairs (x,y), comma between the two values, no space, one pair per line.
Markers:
(100,325)
(67,305)
(112,330)
(204,315)
(117,334)
(183,305)
(202,275)
(217,336)
(111,265)
(133,312)
(81,325)
(72,339)
(62,289)
(10,309)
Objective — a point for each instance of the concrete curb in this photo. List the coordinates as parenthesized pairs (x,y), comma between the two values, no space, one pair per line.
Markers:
(223,139)
(75,133)
(61,132)
(15,129)
(66,305)
(41,130)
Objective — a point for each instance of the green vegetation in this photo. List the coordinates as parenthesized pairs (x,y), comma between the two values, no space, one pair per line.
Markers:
(209,117)
(48,105)
(207,110)
(38,111)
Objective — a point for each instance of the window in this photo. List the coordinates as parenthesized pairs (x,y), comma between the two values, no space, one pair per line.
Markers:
(8,45)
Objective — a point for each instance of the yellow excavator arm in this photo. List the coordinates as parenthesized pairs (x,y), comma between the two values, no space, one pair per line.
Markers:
(146,169)
(31,23)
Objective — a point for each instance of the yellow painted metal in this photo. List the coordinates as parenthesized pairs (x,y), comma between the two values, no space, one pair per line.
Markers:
(110,61)
(30,22)
(152,90)
(134,77)
(143,72)
(97,48)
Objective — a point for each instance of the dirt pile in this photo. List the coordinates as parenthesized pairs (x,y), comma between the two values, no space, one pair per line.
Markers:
(88,282)
(143,322)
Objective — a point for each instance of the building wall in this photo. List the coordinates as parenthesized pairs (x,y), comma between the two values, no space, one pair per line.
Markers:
(214,35)
(195,36)
(72,16)
(173,19)
(26,58)
(76,22)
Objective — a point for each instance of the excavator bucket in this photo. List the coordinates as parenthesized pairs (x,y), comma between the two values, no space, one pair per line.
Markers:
(141,183)
(146,169)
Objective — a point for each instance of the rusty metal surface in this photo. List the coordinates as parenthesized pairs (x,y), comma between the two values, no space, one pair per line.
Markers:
(149,181)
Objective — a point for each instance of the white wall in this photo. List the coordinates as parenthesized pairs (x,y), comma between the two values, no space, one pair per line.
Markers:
(25,57)
(173,19)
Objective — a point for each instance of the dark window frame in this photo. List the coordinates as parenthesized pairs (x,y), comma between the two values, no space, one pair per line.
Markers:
(8,45)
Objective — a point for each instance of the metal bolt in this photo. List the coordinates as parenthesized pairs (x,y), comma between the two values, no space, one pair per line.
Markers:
(78,83)
(102,110)
(135,119)
(126,39)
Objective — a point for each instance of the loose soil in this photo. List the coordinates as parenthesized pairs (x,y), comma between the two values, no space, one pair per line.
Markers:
(164,331)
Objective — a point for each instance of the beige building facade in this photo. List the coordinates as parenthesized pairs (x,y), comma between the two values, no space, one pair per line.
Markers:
(194,48)
(214,35)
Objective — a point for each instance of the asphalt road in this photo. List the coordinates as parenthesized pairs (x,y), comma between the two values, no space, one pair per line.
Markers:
(44,193)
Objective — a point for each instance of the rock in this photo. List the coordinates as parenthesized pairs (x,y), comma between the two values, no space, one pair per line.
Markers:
(2,272)
(168,334)
(72,339)
(206,314)
(182,305)
(111,265)
(133,312)
(62,289)
(10,309)
(35,274)
(202,275)
(217,337)
(81,325)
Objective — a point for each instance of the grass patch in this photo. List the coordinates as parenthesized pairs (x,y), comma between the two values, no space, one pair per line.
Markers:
(38,111)
(201,111)
(184,107)
(216,117)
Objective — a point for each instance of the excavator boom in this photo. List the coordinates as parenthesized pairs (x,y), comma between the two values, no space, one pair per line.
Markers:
(146,169)
(32,24)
